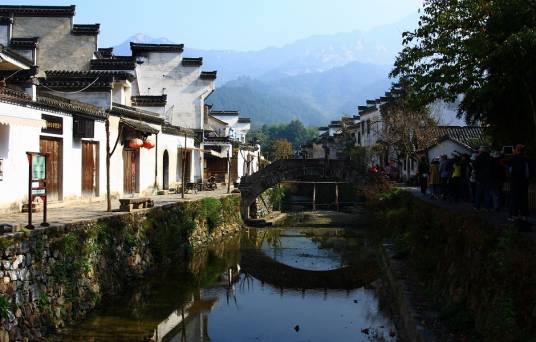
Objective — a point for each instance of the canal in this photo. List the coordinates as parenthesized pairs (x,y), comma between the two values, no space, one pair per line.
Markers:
(295,283)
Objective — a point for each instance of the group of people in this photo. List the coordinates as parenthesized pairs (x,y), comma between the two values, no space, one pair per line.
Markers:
(479,178)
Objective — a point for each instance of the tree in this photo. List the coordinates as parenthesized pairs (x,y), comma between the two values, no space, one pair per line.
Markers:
(482,51)
(282,149)
(294,132)
(407,128)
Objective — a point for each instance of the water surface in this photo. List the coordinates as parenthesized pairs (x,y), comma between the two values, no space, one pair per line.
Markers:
(257,288)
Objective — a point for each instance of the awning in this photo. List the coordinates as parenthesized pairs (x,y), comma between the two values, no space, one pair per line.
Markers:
(13,120)
(139,126)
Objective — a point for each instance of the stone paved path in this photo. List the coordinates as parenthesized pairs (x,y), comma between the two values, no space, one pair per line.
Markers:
(70,213)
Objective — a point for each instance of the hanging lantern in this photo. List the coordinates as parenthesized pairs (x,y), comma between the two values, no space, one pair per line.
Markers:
(148,144)
(135,143)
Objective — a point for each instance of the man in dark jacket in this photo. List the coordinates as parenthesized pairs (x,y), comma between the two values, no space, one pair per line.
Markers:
(519,184)
(423,172)
(483,167)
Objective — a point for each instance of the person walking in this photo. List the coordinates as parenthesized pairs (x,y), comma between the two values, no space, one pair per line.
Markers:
(483,177)
(423,171)
(434,181)
(456,179)
(444,173)
(472,177)
(498,177)
(465,186)
(519,184)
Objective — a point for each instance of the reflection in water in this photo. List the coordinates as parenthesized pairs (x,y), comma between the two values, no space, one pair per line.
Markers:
(211,298)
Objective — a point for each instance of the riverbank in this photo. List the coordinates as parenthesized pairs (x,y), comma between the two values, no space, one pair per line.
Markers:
(54,276)
(479,277)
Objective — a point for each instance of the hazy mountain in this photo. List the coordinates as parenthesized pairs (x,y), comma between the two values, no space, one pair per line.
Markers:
(313,54)
(263,103)
(314,98)
(124,47)
(314,79)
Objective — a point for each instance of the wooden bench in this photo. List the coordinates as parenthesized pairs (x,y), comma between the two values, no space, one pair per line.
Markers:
(127,204)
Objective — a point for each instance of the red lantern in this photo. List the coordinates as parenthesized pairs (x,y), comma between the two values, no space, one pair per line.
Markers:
(148,144)
(135,143)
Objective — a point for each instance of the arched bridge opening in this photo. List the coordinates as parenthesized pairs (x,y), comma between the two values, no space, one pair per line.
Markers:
(311,171)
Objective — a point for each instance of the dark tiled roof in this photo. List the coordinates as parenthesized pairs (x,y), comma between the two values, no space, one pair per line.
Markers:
(244,120)
(71,106)
(112,64)
(106,52)
(371,102)
(139,47)
(135,113)
(77,84)
(38,11)
(24,43)
(86,30)
(21,76)
(208,75)
(6,20)
(323,128)
(209,139)
(16,56)
(470,137)
(224,113)
(193,62)
(177,130)
(368,110)
(360,108)
(149,100)
(95,80)
(52,103)
(138,126)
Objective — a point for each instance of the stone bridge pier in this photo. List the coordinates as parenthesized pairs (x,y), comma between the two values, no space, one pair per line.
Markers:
(313,170)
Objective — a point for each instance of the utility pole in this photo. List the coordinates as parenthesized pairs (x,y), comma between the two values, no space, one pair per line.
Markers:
(183,155)
(108,195)
(229,170)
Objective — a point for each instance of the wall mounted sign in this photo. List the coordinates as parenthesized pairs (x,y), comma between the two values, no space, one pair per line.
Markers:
(54,124)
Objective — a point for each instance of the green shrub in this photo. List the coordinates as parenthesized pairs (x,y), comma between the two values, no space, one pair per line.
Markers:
(4,307)
(211,210)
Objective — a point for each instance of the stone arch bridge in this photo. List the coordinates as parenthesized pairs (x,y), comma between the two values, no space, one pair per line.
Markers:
(320,170)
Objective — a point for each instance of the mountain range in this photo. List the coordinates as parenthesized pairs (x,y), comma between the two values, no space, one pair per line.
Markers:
(314,79)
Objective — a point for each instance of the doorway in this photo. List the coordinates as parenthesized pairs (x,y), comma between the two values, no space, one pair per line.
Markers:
(90,168)
(54,166)
(165,171)
(131,170)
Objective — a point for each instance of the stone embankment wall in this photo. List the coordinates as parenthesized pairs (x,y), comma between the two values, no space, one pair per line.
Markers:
(480,277)
(55,276)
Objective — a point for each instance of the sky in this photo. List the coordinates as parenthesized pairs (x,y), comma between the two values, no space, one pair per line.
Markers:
(232,24)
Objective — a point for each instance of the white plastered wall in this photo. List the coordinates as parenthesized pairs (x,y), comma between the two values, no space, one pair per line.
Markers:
(16,140)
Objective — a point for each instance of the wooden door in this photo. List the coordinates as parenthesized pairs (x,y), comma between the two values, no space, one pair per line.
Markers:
(165,171)
(54,169)
(188,166)
(90,168)
(130,171)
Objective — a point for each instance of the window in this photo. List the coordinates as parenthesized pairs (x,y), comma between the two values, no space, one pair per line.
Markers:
(83,128)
